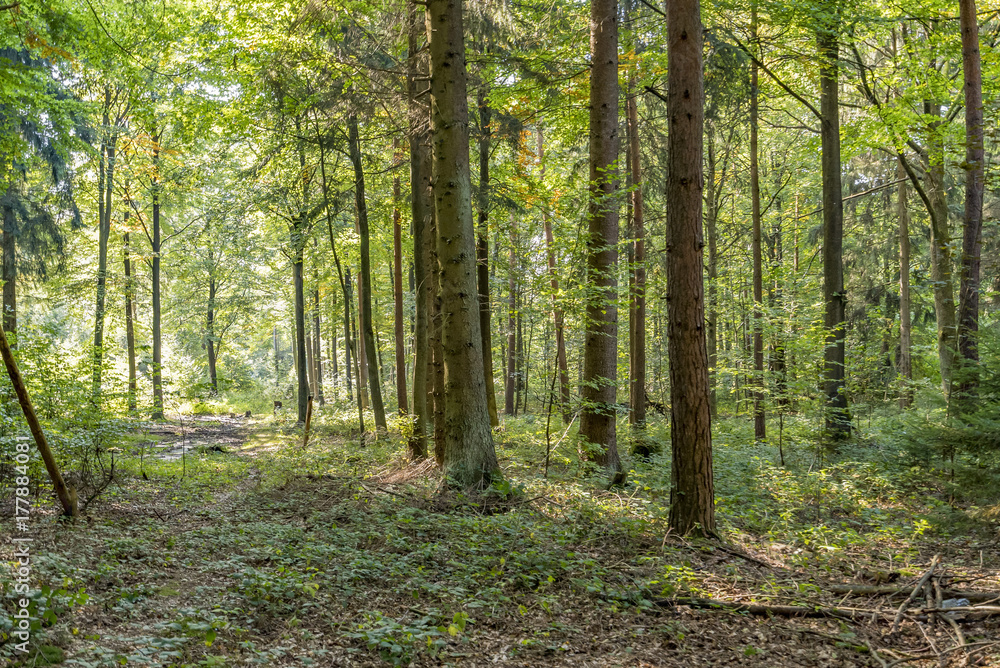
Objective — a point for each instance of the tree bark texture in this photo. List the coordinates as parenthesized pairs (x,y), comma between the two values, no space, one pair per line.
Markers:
(483,250)
(156,249)
(469,455)
(600,358)
(838,422)
(637,300)
(692,495)
(972,234)
(397,289)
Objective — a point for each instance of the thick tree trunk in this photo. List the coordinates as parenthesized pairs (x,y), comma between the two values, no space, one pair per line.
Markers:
(421,209)
(397,289)
(838,421)
(469,455)
(941,257)
(692,495)
(213,377)
(905,359)
(130,319)
(600,362)
(557,313)
(157,335)
(483,251)
(759,422)
(968,319)
(637,284)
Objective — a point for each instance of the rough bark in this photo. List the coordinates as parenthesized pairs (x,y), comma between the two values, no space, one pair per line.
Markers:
(691,495)
(483,250)
(469,455)
(905,360)
(600,363)
(972,234)
(838,421)
(421,211)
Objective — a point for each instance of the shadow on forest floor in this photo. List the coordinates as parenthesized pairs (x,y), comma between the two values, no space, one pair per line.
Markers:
(265,552)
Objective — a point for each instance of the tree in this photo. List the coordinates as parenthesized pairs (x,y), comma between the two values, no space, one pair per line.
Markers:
(600,372)
(691,496)
(469,455)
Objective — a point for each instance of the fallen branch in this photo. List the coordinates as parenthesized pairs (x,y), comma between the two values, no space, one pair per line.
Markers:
(883,590)
(913,594)
(764,610)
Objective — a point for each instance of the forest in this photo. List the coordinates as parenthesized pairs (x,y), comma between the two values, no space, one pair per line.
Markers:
(444,333)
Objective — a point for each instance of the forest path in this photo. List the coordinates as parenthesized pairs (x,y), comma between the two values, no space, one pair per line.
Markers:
(171,440)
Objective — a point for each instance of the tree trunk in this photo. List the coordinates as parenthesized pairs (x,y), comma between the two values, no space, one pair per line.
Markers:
(483,251)
(129,319)
(361,353)
(637,301)
(469,456)
(397,288)
(600,374)
(838,421)
(9,271)
(157,339)
(557,313)
(421,211)
(712,322)
(66,496)
(351,344)
(510,391)
(759,422)
(968,346)
(941,259)
(318,344)
(691,496)
(905,359)
(298,243)
(104,234)
(210,334)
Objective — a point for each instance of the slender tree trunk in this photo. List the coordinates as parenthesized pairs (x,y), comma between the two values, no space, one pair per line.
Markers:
(397,288)
(941,257)
(759,422)
(838,421)
(557,313)
(210,334)
(348,347)
(298,240)
(361,356)
(905,360)
(637,309)
(104,234)
(9,270)
(510,391)
(712,322)
(692,486)
(519,356)
(351,346)
(157,338)
(600,374)
(469,455)
(130,319)
(968,346)
(421,209)
(483,251)
(317,344)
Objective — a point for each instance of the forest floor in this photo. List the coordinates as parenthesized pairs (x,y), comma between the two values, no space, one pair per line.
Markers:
(231,544)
